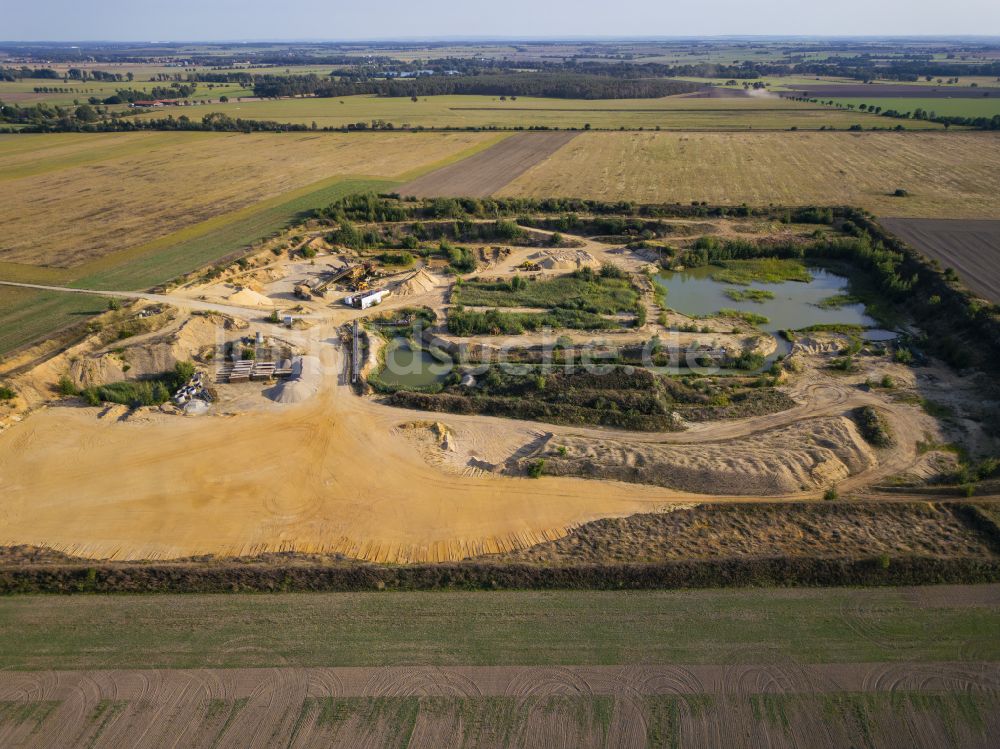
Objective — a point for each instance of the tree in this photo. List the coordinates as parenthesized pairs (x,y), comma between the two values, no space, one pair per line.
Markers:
(86,113)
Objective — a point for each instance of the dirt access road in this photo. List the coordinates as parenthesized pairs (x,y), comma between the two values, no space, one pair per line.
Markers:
(970,247)
(488,172)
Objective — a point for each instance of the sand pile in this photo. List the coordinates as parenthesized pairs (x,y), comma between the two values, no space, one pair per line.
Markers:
(419,283)
(563,259)
(808,455)
(307,374)
(247,297)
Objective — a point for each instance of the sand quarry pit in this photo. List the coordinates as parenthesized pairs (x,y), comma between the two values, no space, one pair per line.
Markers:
(226,486)
(328,474)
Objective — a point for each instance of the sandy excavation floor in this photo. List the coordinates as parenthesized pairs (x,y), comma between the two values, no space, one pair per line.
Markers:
(327,475)
(337,474)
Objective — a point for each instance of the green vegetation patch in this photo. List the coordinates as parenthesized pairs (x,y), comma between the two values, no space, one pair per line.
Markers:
(838,301)
(582,290)
(762,270)
(463,322)
(748,317)
(759,296)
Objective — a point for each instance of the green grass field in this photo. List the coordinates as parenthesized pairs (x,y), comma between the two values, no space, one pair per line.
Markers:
(671,113)
(984,107)
(491,628)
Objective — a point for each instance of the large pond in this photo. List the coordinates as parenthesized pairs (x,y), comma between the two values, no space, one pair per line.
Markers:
(794,306)
(408,367)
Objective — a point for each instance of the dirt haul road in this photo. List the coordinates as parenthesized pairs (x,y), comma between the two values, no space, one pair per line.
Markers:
(487,172)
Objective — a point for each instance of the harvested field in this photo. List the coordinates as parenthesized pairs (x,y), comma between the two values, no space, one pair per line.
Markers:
(716,109)
(486,173)
(778,706)
(105,193)
(727,531)
(954,175)
(971,248)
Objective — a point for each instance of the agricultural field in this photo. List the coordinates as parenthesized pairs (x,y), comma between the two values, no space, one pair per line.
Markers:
(942,107)
(112,193)
(970,248)
(683,112)
(129,211)
(947,175)
(487,172)
(532,667)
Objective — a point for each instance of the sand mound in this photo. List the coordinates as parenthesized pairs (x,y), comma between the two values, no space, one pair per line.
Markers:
(808,455)
(307,374)
(419,283)
(563,259)
(247,297)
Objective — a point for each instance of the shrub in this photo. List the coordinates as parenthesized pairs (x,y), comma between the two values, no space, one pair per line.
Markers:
(67,387)
(903,355)
(7,394)
(535,469)
(831,494)
(873,427)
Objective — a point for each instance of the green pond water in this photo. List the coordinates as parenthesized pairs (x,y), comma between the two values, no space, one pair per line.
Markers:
(406,367)
(793,307)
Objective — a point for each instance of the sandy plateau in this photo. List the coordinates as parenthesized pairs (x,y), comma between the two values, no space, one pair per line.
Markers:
(326,470)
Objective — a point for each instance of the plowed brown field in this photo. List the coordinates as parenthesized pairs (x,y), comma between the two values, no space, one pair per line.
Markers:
(771,705)
(489,171)
(971,248)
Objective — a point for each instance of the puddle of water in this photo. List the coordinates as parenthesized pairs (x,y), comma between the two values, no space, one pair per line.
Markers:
(406,367)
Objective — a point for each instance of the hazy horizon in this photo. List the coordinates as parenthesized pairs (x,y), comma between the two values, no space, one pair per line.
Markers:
(200,21)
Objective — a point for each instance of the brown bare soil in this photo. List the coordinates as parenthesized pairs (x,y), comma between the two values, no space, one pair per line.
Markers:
(489,171)
(767,530)
(971,248)
(781,705)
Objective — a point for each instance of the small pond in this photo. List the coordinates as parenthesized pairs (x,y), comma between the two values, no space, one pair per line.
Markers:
(409,367)
(795,304)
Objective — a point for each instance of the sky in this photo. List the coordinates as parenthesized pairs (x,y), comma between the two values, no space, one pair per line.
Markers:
(199,20)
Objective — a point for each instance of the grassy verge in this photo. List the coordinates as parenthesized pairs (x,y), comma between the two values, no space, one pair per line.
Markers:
(29,314)
(488,628)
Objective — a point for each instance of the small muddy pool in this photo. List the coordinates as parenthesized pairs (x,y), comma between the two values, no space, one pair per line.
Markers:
(407,367)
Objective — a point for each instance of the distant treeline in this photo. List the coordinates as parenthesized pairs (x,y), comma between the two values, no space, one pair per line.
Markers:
(919,113)
(73,74)
(548,85)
